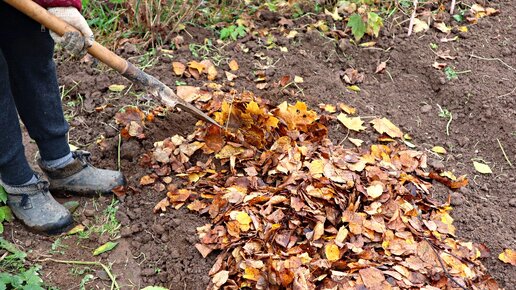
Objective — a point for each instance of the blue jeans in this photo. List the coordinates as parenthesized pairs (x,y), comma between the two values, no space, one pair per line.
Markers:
(28,87)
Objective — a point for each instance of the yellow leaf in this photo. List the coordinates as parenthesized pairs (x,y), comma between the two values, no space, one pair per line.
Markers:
(368,44)
(482,168)
(298,79)
(353,88)
(330,108)
(383,125)
(332,252)
(242,218)
(178,68)
(116,88)
(463,28)
(292,34)
(228,151)
(283,49)
(439,149)
(347,109)
(353,123)
(420,25)
(316,168)
(407,137)
(77,229)
(508,256)
(356,142)
(233,65)
(253,108)
(335,14)
(251,273)
(442,27)
(272,122)
(375,189)
(197,66)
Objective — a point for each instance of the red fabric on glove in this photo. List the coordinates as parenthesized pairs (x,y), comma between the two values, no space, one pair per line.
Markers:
(60,3)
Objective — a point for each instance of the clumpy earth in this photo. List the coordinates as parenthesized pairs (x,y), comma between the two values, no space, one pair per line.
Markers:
(158,249)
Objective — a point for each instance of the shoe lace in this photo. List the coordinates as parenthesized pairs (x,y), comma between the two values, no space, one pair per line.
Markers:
(83,156)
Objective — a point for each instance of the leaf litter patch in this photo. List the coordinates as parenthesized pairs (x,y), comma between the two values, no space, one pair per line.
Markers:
(290,209)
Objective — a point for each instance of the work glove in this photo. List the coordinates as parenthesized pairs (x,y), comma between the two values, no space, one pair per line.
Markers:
(74,42)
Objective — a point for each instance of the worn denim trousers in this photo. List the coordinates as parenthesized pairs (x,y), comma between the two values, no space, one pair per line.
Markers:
(28,87)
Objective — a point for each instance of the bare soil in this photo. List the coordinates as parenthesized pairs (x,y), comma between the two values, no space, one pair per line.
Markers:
(158,249)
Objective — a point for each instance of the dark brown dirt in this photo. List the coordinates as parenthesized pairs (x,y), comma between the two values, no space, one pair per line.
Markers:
(158,249)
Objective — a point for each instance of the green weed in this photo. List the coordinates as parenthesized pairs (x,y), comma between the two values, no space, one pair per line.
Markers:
(105,224)
(57,247)
(450,73)
(13,272)
(5,212)
(233,32)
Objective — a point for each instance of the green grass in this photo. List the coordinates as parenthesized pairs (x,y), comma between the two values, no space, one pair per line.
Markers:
(105,224)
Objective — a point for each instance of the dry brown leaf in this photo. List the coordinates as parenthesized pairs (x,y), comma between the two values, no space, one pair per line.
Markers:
(508,256)
(383,125)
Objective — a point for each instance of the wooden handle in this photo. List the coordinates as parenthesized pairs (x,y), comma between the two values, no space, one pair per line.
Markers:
(60,27)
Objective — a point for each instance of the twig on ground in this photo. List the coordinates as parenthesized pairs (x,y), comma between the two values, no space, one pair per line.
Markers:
(505,95)
(493,58)
(118,150)
(442,265)
(114,284)
(505,155)
(448,124)
(412,17)
(452,8)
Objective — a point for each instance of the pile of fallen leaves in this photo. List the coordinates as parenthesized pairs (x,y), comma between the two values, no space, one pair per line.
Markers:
(290,209)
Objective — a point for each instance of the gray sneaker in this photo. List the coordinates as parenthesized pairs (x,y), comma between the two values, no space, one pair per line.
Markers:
(81,178)
(37,209)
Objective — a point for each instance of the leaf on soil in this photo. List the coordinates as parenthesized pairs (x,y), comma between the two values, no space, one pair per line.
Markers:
(482,168)
(381,67)
(146,180)
(353,88)
(352,123)
(178,68)
(347,109)
(298,79)
(129,114)
(116,88)
(420,26)
(439,149)
(233,65)
(384,125)
(230,76)
(199,67)
(508,256)
(77,229)
(105,248)
(356,142)
(188,93)
(335,14)
(352,76)
(439,65)
(441,26)
(453,184)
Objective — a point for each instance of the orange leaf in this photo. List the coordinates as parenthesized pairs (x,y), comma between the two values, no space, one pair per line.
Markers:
(233,65)
(146,180)
(508,256)
(178,68)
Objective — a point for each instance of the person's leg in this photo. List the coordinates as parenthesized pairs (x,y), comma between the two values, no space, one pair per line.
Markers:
(27,194)
(14,168)
(36,92)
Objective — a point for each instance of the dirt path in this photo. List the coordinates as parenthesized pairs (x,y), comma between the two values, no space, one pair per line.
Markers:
(158,249)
